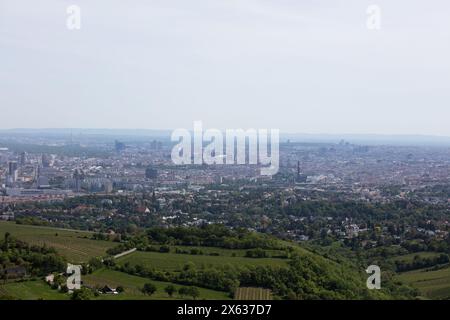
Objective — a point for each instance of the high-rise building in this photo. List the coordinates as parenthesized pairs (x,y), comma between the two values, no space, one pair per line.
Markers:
(108,186)
(13,170)
(302,178)
(151,173)
(78,176)
(13,173)
(23,158)
(12,166)
(46,161)
(156,145)
(119,146)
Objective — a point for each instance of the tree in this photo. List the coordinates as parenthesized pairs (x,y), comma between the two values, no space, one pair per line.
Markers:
(109,262)
(7,236)
(4,276)
(85,269)
(193,292)
(94,264)
(59,280)
(149,288)
(82,294)
(120,289)
(170,290)
(183,291)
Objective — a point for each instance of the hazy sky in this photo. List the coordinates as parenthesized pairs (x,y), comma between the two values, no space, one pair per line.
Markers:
(308,66)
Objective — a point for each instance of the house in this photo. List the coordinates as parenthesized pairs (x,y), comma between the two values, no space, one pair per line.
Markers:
(143,210)
(303,237)
(108,290)
(7,216)
(50,279)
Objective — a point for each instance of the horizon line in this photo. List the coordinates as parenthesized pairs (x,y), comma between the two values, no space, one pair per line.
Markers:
(281,131)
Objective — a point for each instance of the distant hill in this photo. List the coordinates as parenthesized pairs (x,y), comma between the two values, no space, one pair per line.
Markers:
(367,139)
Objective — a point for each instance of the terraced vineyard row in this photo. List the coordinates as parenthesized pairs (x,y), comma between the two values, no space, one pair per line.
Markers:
(252,294)
(76,246)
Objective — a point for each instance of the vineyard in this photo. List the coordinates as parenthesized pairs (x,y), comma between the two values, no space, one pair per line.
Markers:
(76,246)
(133,285)
(176,261)
(433,284)
(252,294)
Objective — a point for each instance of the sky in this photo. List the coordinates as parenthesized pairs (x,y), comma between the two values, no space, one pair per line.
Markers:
(303,66)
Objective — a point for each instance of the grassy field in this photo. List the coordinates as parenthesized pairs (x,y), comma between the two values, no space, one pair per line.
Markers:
(31,290)
(410,257)
(70,243)
(225,252)
(133,284)
(175,261)
(252,294)
(38,289)
(431,284)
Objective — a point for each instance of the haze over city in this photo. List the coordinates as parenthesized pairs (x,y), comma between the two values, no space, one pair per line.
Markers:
(309,66)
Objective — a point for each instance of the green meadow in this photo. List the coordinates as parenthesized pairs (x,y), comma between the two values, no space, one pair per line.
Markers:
(176,261)
(38,289)
(410,257)
(431,284)
(133,285)
(30,290)
(225,252)
(72,244)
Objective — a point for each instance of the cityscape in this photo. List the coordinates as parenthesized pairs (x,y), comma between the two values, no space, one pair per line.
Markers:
(224,158)
(386,204)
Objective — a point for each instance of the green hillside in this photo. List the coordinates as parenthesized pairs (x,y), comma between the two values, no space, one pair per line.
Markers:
(30,290)
(219,269)
(431,284)
(75,245)
(174,261)
(133,285)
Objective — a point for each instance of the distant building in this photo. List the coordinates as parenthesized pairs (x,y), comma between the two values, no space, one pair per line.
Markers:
(20,192)
(119,146)
(151,173)
(46,161)
(12,168)
(301,178)
(78,177)
(108,186)
(97,185)
(156,145)
(23,158)
(108,202)
(13,173)
(43,183)
(7,216)
(108,290)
